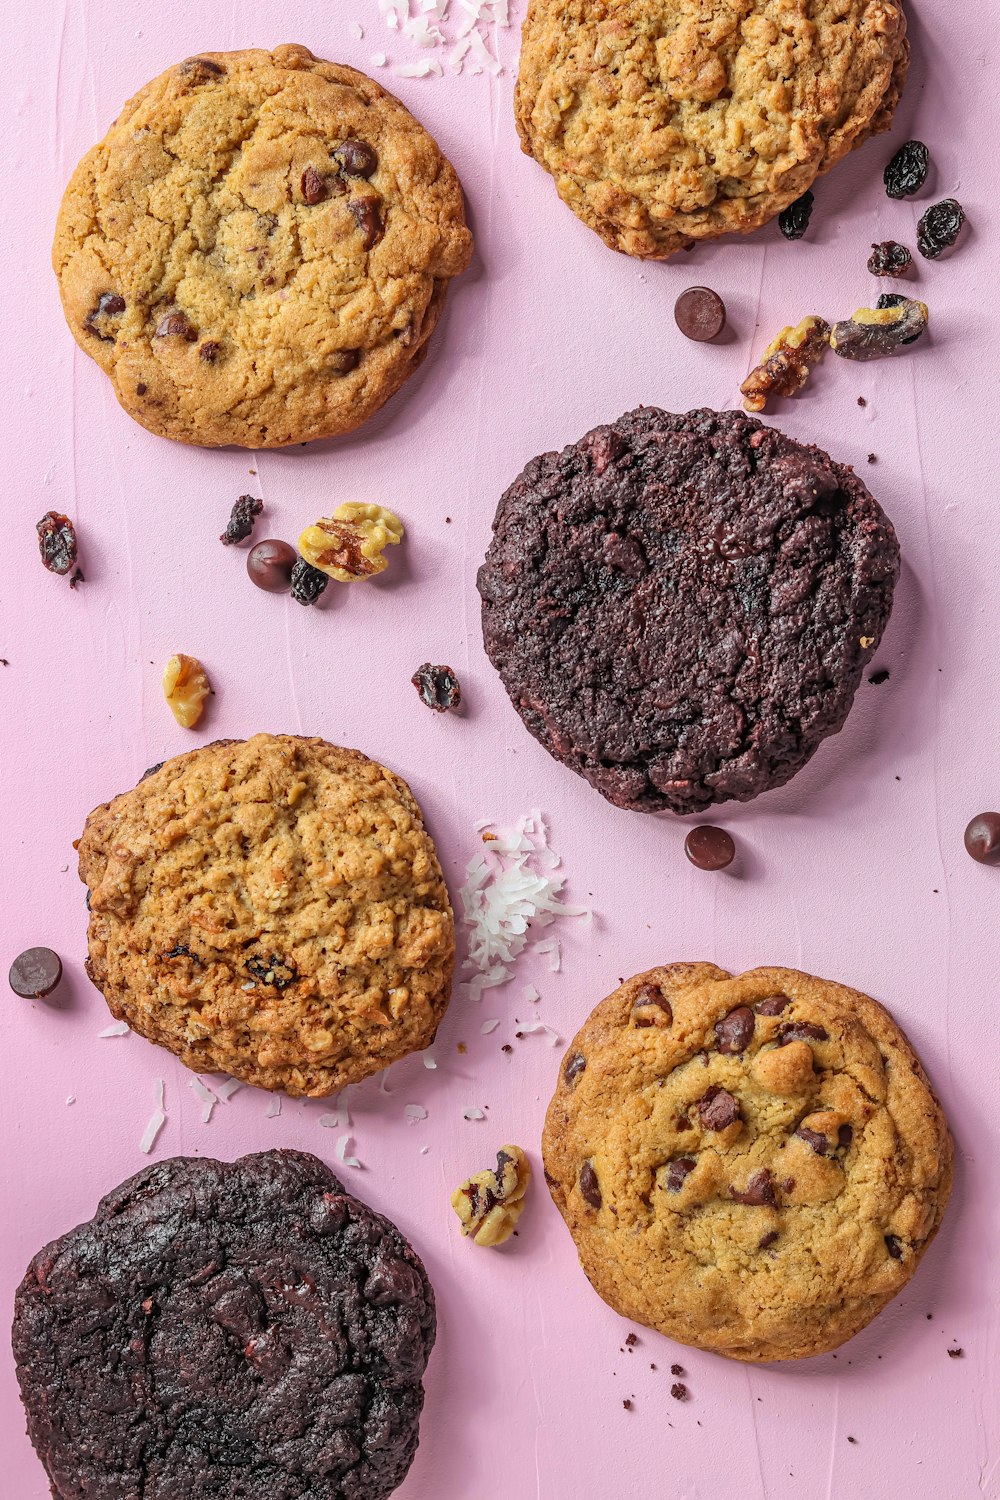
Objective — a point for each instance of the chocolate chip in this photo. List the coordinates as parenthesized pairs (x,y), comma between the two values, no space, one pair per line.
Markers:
(109,305)
(894,1246)
(176,325)
(801,1031)
(196,70)
(768,1239)
(982,838)
(651,1007)
(438,687)
(270,564)
(241,520)
(343,361)
(700,314)
(709,848)
(152,770)
(574,1065)
(355,158)
(314,186)
(679,1391)
(787,1183)
(759,1191)
(717,1109)
(590,1188)
(735,1031)
(677,1172)
(35,973)
(56,542)
(627,1404)
(813,1138)
(141,389)
(209,351)
(773,1005)
(845,1136)
(367,214)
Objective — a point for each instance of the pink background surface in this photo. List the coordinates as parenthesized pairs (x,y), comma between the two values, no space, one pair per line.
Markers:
(855,871)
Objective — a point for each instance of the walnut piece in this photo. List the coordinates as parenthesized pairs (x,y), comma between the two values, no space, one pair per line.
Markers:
(185,687)
(786,363)
(490,1203)
(350,544)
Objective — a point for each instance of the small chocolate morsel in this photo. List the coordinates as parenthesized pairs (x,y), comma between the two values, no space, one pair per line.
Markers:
(574,1065)
(35,973)
(590,1188)
(343,361)
(367,215)
(355,158)
(314,188)
(735,1031)
(651,1008)
(768,1239)
(772,1005)
(709,848)
(677,1172)
(717,1109)
(801,1031)
(759,1191)
(700,314)
(270,563)
(982,838)
(176,325)
(813,1138)
(894,1246)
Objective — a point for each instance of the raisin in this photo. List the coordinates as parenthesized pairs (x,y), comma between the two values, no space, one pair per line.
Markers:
(895,299)
(793,221)
(275,971)
(889,259)
(905,174)
(307,582)
(241,522)
(56,541)
(438,687)
(939,228)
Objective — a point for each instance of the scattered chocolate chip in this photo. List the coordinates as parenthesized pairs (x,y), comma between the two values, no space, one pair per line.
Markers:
(894,1247)
(717,1109)
(982,838)
(801,1031)
(955,1353)
(679,1391)
(270,565)
(141,389)
(56,542)
(768,1239)
(787,1183)
(355,158)
(889,258)
(574,1065)
(813,1138)
(735,1031)
(367,214)
(35,973)
(176,325)
(759,1191)
(590,1188)
(851,1439)
(677,1172)
(650,1007)
(872,458)
(343,361)
(772,1005)
(939,228)
(241,520)
(197,70)
(873,333)
(793,221)
(700,314)
(709,848)
(862,401)
(307,582)
(277,972)
(209,351)
(906,172)
(438,687)
(506,1047)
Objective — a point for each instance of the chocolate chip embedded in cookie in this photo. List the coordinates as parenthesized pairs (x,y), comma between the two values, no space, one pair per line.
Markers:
(712,1170)
(271,908)
(259,249)
(243,1328)
(668,122)
(681,607)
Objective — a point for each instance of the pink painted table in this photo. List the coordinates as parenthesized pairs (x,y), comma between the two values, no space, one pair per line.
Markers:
(856,870)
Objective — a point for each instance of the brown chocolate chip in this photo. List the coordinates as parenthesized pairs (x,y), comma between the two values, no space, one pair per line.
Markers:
(197,70)
(367,214)
(355,158)
(773,1005)
(709,848)
(651,1007)
(209,351)
(590,1188)
(982,838)
(314,186)
(735,1031)
(343,361)
(700,314)
(813,1138)
(787,1183)
(270,564)
(627,1404)
(176,325)
(141,389)
(717,1109)
(801,1031)
(677,1172)
(894,1246)
(768,1239)
(109,305)
(759,1191)
(35,973)
(845,1136)
(574,1065)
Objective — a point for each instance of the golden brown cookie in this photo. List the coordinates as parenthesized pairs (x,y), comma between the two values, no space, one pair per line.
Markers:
(669,121)
(258,250)
(272,908)
(751,1165)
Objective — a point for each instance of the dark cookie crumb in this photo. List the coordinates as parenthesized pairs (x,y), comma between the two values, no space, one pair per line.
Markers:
(679,1391)
(438,686)
(631,1340)
(627,1404)
(677,1369)
(241,521)
(955,1353)
(76,578)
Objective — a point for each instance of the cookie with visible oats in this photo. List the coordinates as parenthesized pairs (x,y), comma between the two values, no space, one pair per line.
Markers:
(270,908)
(258,251)
(665,122)
(753,1165)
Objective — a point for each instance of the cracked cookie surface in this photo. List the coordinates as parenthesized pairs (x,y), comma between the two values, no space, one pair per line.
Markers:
(664,122)
(243,1328)
(753,1165)
(258,251)
(270,908)
(681,607)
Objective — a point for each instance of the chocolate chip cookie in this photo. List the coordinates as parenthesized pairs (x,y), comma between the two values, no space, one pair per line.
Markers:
(272,908)
(681,607)
(243,1328)
(752,1165)
(259,249)
(664,122)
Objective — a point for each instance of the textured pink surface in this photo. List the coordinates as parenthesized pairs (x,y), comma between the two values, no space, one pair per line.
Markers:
(855,871)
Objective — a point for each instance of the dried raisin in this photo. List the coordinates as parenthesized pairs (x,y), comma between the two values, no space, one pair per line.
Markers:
(438,687)
(889,259)
(939,228)
(906,173)
(56,541)
(793,221)
(275,971)
(307,582)
(241,522)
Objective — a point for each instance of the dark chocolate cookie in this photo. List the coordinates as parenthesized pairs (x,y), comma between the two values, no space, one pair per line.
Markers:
(222,1330)
(681,607)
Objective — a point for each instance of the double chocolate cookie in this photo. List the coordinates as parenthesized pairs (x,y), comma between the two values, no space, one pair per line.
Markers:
(752,1165)
(272,908)
(681,607)
(244,1329)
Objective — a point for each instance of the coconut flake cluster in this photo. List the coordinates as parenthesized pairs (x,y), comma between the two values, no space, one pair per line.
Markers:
(461,29)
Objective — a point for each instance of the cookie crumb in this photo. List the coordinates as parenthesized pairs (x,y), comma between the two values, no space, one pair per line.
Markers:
(631,1341)
(627,1404)
(679,1391)
(862,401)
(852,1439)
(955,1353)
(676,1369)
(876,678)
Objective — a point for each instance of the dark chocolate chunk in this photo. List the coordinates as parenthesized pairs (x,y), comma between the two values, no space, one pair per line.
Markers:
(735,1031)
(759,1191)
(815,1139)
(700,314)
(651,1007)
(367,214)
(717,1109)
(590,1188)
(709,848)
(772,1005)
(355,158)
(35,973)
(801,1031)
(270,564)
(574,1065)
(678,1171)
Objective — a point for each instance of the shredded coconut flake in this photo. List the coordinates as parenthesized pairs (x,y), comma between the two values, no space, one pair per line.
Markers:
(424,1150)
(378,59)
(383,1083)
(120,1028)
(208,1099)
(427,67)
(338,1118)
(156,1121)
(428,1060)
(273,1109)
(474,1114)
(540,1026)
(225,1090)
(531,993)
(414,1113)
(357,31)
(70,1098)
(420,31)
(488,1026)
(341,1152)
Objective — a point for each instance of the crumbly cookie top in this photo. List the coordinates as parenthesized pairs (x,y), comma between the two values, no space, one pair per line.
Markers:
(752,1165)
(257,251)
(664,121)
(272,908)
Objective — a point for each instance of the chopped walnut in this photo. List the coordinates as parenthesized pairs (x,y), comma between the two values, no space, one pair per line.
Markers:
(350,544)
(490,1203)
(872,332)
(185,687)
(786,363)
